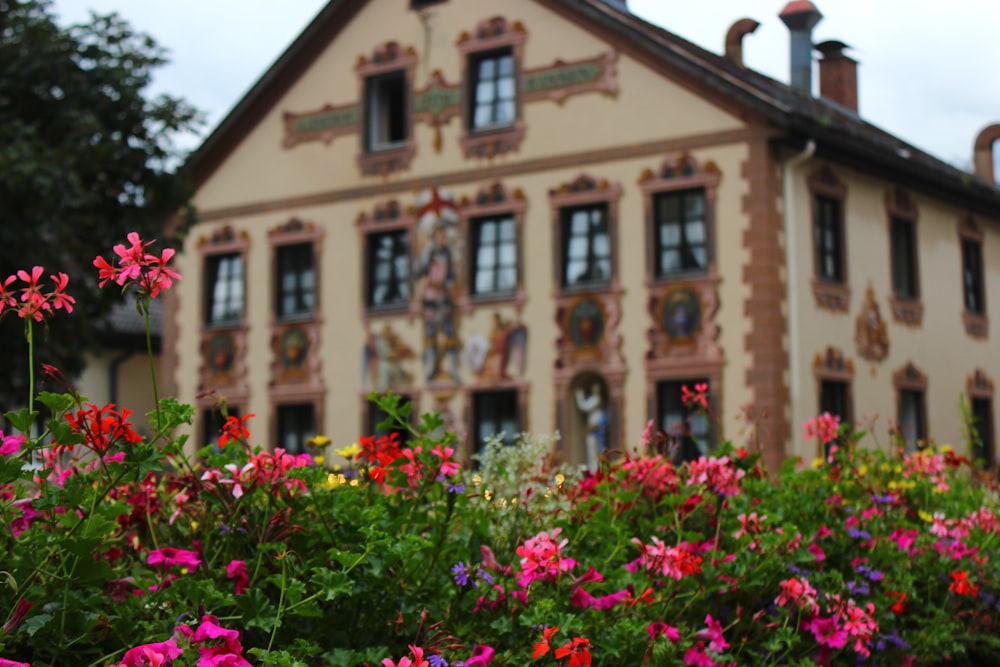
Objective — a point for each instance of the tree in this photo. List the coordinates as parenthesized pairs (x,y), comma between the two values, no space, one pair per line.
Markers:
(85,157)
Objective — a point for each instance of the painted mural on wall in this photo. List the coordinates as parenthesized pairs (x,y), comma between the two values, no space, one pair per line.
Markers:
(500,355)
(585,322)
(385,358)
(681,313)
(870,333)
(438,274)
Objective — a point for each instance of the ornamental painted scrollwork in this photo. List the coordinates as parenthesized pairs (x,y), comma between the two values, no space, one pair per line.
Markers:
(870,334)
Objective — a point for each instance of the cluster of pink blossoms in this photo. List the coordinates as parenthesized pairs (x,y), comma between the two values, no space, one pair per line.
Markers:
(138,267)
(675,562)
(716,474)
(266,469)
(217,647)
(826,427)
(541,558)
(30,302)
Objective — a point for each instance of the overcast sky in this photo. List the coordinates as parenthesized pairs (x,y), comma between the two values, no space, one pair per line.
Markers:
(929,69)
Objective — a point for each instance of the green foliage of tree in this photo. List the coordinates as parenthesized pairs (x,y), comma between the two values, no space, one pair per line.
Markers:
(86,156)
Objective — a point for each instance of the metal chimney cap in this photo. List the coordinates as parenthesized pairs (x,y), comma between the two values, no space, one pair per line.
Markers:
(800,15)
(832,48)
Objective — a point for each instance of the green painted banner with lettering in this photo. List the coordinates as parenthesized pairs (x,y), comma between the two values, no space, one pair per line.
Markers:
(436,100)
(560,77)
(325,120)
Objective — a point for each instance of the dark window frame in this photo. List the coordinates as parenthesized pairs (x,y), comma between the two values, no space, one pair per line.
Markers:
(289,264)
(696,436)
(500,404)
(476,233)
(685,247)
(828,240)
(981,412)
(400,257)
(387,95)
(903,253)
(285,412)
(497,57)
(230,314)
(593,259)
(973,283)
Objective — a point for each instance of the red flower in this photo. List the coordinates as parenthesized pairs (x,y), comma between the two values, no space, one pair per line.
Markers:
(542,647)
(578,651)
(237,569)
(960,584)
(103,427)
(34,303)
(234,429)
(897,607)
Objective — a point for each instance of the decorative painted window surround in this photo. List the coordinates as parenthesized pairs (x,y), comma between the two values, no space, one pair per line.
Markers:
(682,334)
(386,217)
(833,295)
(495,35)
(296,360)
(387,59)
(588,348)
(902,215)
(970,240)
(910,380)
(493,201)
(222,373)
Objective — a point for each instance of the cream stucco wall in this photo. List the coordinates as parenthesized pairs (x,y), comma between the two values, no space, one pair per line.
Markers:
(939,347)
(647,108)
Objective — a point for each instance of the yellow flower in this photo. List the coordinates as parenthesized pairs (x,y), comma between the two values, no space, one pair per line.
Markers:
(947,448)
(194,525)
(560,479)
(863,470)
(318,459)
(318,441)
(350,451)
(926,516)
(817,463)
(893,485)
(477,479)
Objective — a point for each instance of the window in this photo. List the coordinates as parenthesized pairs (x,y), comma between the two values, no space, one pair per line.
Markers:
(493,89)
(388,268)
(296,424)
(680,238)
(376,416)
(586,247)
(972,276)
(212,420)
(296,280)
(385,98)
(687,426)
(224,276)
(494,259)
(827,234)
(982,426)
(834,398)
(493,413)
(912,424)
(904,259)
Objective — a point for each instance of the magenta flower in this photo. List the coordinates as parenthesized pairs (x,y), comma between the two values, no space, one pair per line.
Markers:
(11,444)
(237,569)
(713,633)
(168,557)
(4,662)
(826,427)
(138,267)
(157,653)
(482,655)
(662,629)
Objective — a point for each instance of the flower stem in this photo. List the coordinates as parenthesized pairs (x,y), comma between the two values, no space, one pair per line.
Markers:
(281,603)
(31,363)
(144,305)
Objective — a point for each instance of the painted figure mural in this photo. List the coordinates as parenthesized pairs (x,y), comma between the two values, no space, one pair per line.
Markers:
(437,269)
(498,356)
(384,355)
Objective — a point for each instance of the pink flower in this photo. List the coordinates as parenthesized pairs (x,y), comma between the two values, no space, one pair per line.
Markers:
(482,655)
(696,398)
(696,656)
(660,628)
(11,444)
(798,592)
(827,632)
(138,267)
(675,562)
(35,304)
(168,557)
(152,655)
(717,474)
(646,439)
(826,427)
(541,558)
(4,662)
(448,468)
(817,551)
(418,659)
(713,633)
(237,569)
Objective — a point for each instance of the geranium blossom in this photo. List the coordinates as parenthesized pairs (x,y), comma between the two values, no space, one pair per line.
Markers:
(168,557)
(798,592)
(138,267)
(826,427)
(717,474)
(11,444)
(541,558)
(103,427)
(235,430)
(417,661)
(657,557)
(152,655)
(578,650)
(237,571)
(33,303)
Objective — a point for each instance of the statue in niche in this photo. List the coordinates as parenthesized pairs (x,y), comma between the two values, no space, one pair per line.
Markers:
(592,406)
(870,334)
(436,266)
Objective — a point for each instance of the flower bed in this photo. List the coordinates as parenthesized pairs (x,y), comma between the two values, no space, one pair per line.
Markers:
(123,551)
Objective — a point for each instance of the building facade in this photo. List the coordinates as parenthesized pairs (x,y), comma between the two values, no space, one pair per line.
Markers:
(561,217)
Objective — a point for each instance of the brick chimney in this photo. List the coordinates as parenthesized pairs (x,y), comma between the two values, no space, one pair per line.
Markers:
(838,75)
(801,16)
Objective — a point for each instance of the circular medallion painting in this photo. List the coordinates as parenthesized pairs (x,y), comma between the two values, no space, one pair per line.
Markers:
(681,313)
(586,321)
(294,347)
(221,352)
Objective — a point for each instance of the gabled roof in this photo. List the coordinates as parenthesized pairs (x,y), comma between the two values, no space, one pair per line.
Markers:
(839,134)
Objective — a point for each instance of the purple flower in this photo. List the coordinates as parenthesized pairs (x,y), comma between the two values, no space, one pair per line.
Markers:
(461,574)
(858,588)
(437,661)
(859,534)
(887,498)
(456,488)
